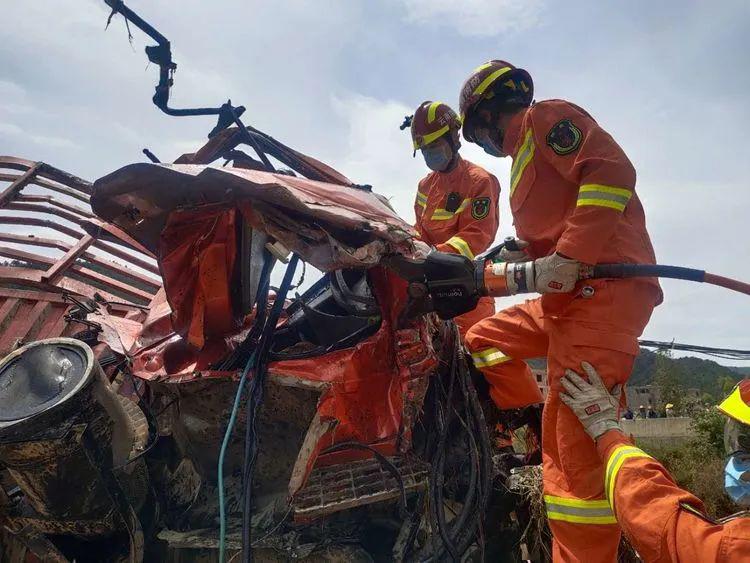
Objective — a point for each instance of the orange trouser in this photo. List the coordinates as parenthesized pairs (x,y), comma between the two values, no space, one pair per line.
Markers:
(485,308)
(601,328)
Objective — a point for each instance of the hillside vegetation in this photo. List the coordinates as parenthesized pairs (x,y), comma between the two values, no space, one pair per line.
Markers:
(708,376)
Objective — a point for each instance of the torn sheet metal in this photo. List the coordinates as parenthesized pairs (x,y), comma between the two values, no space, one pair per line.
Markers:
(140,197)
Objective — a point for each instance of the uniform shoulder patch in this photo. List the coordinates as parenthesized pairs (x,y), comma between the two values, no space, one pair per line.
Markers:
(564,137)
(480,207)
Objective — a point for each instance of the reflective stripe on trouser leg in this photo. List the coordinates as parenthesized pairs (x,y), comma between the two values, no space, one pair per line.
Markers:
(579,511)
(515,333)
(572,466)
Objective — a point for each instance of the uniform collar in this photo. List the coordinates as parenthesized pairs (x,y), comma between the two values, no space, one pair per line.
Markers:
(512,134)
(457,170)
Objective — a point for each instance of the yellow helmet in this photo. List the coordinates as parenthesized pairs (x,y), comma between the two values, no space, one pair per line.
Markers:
(737,403)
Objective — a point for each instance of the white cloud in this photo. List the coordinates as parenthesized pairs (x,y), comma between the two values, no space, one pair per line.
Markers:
(377,151)
(10,91)
(49,141)
(483,18)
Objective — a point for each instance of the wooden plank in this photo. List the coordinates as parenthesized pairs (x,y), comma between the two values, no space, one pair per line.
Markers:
(47,171)
(47,209)
(140,262)
(38,222)
(59,328)
(23,325)
(113,284)
(23,198)
(58,268)
(32,240)
(7,307)
(87,273)
(58,299)
(54,323)
(11,333)
(10,192)
(48,185)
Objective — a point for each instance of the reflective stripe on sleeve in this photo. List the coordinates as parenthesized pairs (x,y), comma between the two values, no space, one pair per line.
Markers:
(444,214)
(521,160)
(579,511)
(603,196)
(461,245)
(489,357)
(421,199)
(616,459)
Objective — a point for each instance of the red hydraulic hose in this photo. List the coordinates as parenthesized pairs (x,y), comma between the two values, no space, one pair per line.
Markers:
(729,283)
(658,271)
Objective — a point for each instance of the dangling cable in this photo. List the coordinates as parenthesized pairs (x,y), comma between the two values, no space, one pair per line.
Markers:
(254,401)
(222,454)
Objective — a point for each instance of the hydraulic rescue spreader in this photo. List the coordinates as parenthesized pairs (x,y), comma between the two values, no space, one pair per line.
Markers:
(451,284)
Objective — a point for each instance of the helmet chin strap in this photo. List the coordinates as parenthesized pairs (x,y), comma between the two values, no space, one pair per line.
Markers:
(500,138)
(454,145)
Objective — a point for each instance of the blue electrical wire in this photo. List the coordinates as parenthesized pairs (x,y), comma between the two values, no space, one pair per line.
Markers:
(224,444)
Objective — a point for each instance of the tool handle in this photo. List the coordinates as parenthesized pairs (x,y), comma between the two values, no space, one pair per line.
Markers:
(511,244)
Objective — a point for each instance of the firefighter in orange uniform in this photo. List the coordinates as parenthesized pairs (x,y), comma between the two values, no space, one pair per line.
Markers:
(457,203)
(662,521)
(572,195)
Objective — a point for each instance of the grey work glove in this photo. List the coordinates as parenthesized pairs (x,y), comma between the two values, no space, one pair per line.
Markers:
(554,274)
(421,249)
(595,406)
(520,255)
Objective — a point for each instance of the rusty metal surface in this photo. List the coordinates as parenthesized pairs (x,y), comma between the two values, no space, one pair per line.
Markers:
(340,487)
(51,244)
(28,546)
(82,528)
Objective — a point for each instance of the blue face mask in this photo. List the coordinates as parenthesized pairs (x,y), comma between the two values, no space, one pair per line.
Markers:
(488,144)
(738,488)
(437,158)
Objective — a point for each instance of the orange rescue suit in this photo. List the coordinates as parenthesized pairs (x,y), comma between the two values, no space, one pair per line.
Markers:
(457,211)
(662,521)
(573,192)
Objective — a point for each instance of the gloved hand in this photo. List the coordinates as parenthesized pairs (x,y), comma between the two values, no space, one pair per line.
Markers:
(595,406)
(421,249)
(520,255)
(554,274)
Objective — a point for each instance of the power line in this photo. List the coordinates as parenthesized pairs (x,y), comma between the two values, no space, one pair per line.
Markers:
(724,353)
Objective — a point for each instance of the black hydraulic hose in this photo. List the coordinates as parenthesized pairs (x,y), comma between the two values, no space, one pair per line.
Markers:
(239,355)
(659,271)
(436,474)
(435,477)
(462,529)
(459,521)
(254,400)
(463,532)
(430,446)
(466,534)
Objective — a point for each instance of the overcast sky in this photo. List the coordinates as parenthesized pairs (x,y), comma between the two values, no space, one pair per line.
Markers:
(334,78)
